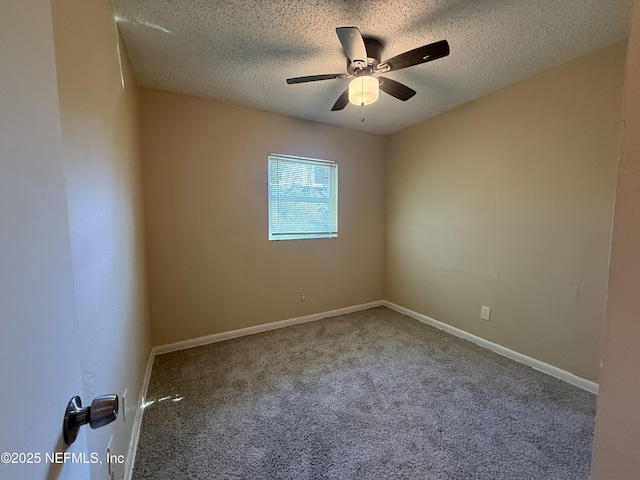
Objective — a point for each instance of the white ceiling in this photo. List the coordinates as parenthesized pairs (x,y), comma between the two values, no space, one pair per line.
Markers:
(242,52)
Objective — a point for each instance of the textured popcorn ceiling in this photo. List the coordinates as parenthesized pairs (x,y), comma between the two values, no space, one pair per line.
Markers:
(242,52)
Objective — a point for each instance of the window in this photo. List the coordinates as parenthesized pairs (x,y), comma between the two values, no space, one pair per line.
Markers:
(303,198)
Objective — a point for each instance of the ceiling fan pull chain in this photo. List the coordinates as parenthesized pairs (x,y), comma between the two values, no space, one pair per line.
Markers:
(362,105)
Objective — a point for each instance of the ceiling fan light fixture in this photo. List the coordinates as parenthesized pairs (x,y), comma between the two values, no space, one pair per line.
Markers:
(363,90)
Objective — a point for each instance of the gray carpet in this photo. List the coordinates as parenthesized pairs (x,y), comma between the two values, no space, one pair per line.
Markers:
(369,395)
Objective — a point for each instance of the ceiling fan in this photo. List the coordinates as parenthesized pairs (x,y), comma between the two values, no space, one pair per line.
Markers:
(364,65)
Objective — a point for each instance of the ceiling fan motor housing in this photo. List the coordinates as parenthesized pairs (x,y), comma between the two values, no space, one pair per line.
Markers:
(374,56)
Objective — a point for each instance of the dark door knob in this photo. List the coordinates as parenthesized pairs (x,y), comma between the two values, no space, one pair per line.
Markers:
(103,410)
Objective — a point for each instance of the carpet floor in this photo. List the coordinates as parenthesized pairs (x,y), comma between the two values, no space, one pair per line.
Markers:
(368,395)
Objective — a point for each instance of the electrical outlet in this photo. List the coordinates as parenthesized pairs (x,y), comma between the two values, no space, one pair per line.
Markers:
(485,313)
(110,470)
(125,405)
(303,295)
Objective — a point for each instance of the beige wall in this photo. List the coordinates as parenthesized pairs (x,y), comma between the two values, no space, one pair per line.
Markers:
(507,202)
(101,147)
(618,417)
(211,266)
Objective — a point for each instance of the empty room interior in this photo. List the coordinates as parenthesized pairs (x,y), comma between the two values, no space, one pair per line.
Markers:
(280,277)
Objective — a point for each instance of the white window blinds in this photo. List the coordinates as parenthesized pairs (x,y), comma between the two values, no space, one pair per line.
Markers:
(303,198)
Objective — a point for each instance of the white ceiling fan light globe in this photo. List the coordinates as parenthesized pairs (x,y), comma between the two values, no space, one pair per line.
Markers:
(363,90)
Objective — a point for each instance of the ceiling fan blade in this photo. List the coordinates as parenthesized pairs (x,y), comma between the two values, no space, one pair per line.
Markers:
(396,89)
(315,78)
(352,43)
(419,55)
(343,101)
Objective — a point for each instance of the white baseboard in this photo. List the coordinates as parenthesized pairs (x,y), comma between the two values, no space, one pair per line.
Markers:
(513,355)
(219,337)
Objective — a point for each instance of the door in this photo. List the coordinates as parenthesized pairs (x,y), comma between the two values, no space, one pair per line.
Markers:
(39,366)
